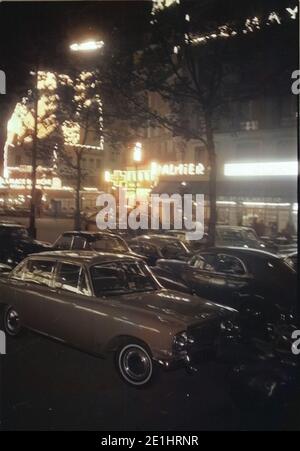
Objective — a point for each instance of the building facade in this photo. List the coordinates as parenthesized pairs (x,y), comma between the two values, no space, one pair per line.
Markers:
(256,145)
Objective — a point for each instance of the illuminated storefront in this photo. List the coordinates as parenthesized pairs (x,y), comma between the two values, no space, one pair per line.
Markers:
(266,191)
(141,182)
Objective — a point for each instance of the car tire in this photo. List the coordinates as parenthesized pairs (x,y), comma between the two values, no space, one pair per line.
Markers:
(10,321)
(134,364)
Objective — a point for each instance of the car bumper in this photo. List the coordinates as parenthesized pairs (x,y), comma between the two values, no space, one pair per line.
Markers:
(225,347)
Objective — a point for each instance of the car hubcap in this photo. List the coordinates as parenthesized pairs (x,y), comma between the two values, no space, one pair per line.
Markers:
(135,364)
(12,321)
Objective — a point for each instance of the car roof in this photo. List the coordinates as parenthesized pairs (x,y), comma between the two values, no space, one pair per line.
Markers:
(87,257)
(156,238)
(90,235)
(239,251)
(233,227)
(10,225)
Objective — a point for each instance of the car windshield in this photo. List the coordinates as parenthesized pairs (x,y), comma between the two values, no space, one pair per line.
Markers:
(231,235)
(109,244)
(122,278)
(250,235)
(175,247)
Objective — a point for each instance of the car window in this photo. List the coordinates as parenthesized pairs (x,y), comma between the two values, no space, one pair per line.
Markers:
(149,250)
(197,262)
(230,235)
(39,272)
(20,233)
(229,264)
(19,271)
(68,277)
(173,250)
(136,247)
(109,244)
(64,243)
(122,278)
(206,262)
(79,243)
(14,233)
(250,235)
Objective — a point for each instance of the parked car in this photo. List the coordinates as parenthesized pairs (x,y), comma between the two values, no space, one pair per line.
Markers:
(260,285)
(110,303)
(237,236)
(155,247)
(97,241)
(15,244)
(90,225)
(281,245)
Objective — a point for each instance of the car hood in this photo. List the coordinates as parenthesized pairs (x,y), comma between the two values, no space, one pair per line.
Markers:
(174,306)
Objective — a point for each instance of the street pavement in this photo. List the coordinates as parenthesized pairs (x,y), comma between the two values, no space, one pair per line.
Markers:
(49,386)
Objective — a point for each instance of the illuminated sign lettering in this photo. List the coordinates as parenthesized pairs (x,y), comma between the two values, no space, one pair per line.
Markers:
(155,172)
(272,169)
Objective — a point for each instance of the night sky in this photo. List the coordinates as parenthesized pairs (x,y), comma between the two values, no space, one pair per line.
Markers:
(47,28)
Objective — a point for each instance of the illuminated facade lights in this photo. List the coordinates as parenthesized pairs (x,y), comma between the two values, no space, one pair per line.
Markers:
(263,169)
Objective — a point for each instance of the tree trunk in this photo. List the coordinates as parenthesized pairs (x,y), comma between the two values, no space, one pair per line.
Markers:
(32,218)
(212,182)
(77,216)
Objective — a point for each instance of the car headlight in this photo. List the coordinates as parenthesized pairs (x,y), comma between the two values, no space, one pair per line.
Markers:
(181,341)
(230,326)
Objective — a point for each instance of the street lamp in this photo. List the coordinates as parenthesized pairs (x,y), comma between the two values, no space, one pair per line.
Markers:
(87,46)
(137,158)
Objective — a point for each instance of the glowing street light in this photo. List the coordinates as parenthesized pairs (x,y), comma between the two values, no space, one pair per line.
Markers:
(87,46)
(137,154)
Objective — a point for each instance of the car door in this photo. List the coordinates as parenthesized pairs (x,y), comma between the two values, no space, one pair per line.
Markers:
(34,293)
(74,318)
(231,281)
(198,275)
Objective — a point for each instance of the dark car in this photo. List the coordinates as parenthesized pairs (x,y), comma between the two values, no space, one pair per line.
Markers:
(97,241)
(107,303)
(231,236)
(155,247)
(15,244)
(260,285)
